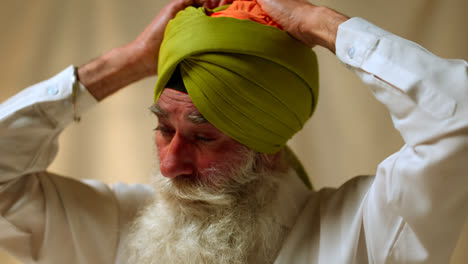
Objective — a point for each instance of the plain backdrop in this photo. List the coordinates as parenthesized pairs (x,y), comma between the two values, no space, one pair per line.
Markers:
(349,134)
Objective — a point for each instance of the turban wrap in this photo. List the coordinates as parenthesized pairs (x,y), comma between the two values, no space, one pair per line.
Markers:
(253,82)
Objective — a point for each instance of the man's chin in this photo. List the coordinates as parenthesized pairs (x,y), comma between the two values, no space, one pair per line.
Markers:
(197,223)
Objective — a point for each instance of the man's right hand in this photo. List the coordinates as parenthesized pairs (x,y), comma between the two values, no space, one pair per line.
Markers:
(147,44)
(311,24)
(137,60)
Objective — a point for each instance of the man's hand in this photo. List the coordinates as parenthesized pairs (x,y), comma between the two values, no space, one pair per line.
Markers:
(147,44)
(311,24)
(137,60)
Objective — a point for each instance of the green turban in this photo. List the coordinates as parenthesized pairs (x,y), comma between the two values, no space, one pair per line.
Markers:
(253,82)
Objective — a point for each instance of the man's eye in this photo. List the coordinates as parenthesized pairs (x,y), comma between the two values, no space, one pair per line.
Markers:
(204,139)
(164,130)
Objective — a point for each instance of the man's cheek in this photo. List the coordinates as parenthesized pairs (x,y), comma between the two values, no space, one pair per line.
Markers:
(161,149)
(208,160)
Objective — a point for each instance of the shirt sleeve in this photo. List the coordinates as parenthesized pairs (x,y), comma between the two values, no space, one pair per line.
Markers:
(416,207)
(32,120)
(41,212)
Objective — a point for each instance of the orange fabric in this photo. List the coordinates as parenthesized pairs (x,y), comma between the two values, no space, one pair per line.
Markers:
(247,9)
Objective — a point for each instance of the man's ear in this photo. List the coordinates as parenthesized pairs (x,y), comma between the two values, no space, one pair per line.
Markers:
(272,162)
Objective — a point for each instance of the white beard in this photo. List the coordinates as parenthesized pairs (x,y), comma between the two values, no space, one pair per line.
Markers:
(215,222)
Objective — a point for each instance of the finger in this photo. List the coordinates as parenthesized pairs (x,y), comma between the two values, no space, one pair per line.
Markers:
(225,2)
(204,3)
(211,4)
(198,3)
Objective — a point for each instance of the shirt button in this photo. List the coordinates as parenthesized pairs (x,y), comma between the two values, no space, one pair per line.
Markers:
(351,52)
(52,90)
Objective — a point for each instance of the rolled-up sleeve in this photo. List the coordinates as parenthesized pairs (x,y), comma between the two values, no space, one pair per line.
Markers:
(31,121)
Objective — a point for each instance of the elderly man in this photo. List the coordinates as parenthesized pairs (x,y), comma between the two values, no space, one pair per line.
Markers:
(229,191)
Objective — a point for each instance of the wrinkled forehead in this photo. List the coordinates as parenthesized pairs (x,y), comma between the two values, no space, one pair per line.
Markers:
(175,99)
(175,103)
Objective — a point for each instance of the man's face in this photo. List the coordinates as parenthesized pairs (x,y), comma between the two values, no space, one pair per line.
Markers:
(188,145)
(216,203)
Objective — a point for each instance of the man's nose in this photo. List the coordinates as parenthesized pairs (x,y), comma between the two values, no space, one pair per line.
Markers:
(178,158)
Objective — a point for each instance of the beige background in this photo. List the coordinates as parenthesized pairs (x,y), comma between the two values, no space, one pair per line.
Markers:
(349,134)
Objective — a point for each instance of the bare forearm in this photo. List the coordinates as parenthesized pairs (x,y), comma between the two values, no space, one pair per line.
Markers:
(112,71)
(122,66)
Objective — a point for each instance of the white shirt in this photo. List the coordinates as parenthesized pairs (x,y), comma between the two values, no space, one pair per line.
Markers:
(412,211)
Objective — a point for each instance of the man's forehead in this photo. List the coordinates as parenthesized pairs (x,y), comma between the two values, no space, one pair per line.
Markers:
(175,102)
(170,95)
(172,100)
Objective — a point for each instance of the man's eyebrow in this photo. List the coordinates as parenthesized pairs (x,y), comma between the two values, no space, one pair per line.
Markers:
(158,111)
(197,118)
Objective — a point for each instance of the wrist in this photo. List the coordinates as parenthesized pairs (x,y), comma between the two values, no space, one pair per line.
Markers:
(112,71)
(320,26)
(143,59)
